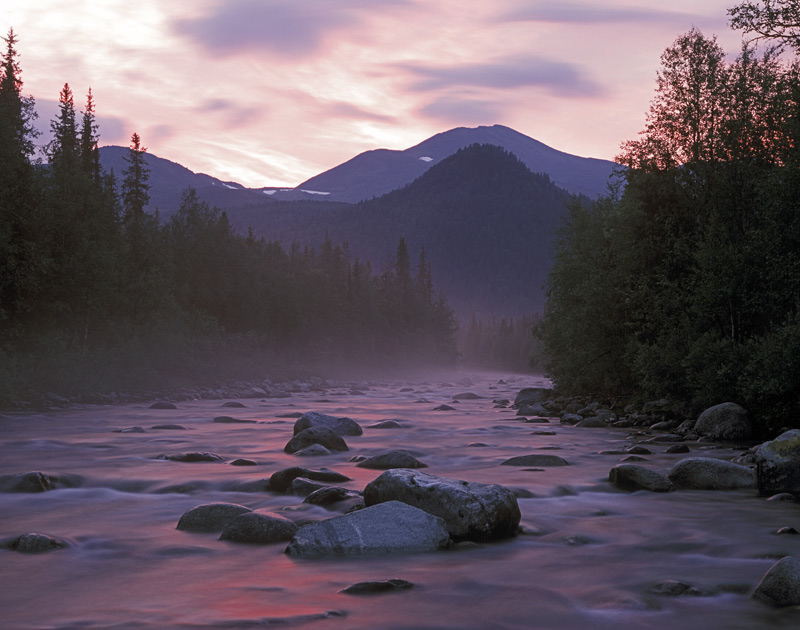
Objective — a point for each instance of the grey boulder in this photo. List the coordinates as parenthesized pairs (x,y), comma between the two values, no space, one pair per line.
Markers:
(392,459)
(389,528)
(778,464)
(725,422)
(253,527)
(281,481)
(471,511)
(536,460)
(634,477)
(340,426)
(36,543)
(780,585)
(706,473)
(210,517)
(316,435)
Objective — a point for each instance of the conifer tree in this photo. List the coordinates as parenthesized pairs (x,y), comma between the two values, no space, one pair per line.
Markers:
(90,153)
(135,195)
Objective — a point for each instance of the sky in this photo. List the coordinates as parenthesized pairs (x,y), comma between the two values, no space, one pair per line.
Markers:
(272,92)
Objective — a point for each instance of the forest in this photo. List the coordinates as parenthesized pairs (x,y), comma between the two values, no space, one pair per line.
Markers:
(684,282)
(97,295)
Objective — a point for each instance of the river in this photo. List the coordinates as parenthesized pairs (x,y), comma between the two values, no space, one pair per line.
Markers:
(589,556)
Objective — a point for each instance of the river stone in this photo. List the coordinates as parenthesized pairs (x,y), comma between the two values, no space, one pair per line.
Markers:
(314,450)
(161,404)
(243,462)
(571,418)
(252,527)
(635,477)
(330,495)
(535,409)
(392,459)
(26,482)
(210,517)
(726,422)
(391,527)
(386,424)
(193,457)
(780,585)
(705,473)
(778,464)
(168,427)
(677,448)
(233,404)
(37,543)
(232,420)
(281,481)
(536,460)
(530,395)
(467,396)
(444,408)
(372,588)
(471,511)
(340,426)
(593,422)
(316,435)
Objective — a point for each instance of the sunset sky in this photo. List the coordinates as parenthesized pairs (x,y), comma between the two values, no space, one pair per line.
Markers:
(271,92)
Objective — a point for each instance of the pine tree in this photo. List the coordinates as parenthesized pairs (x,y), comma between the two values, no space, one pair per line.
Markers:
(90,153)
(135,195)
(63,149)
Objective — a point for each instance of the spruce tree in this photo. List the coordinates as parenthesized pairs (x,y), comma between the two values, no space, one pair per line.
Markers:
(135,195)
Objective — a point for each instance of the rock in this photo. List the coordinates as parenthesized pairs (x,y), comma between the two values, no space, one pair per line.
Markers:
(386,424)
(726,422)
(281,481)
(677,448)
(136,429)
(530,395)
(253,527)
(329,496)
(168,427)
(635,477)
(316,435)
(386,528)
(161,404)
(638,450)
(782,496)
(340,426)
(243,462)
(471,511)
(37,543)
(536,460)
(303,487)
(444,408)
(372,588)
(780,585)
(210,517)
(571,418)
(392,459)
(705,473)
(535,409)
(193,457)
(26,482)
(778,464)
(467,396)
(593,422)
(791,531)
(231,420)
(314,450)
(670,588)
(234,404)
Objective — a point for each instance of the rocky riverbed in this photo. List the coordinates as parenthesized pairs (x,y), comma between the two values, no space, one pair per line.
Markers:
(437,504)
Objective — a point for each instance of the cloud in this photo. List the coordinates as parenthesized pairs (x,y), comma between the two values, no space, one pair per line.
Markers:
(348,110)
(578,13)
(288,28)
(560,78)
(462,110)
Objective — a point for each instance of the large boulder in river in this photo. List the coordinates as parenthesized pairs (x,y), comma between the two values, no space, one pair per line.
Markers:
(634,477)
(210,517)
(391,527)
(727,422)
(392,459)
(340,426)
(706,473)
(778,464)
(529,395)
(780,585)
(316,435)
(253,527)
(471,511)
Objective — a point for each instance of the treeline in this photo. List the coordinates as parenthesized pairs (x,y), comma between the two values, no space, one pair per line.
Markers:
(685,283)
(504,343)
(96,294)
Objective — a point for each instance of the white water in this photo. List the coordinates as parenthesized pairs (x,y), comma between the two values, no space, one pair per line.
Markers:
(587,559)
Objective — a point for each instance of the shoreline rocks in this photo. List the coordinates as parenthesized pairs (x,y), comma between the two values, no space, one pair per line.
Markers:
(778,464)
(706,473)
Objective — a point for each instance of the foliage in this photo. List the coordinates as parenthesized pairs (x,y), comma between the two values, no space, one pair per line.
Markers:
(685,285)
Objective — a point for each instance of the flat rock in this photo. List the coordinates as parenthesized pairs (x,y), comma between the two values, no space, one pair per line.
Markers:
(232,420)
(387,528)
(263,529)
(281,481)
(340,426)
(392,459)
(193,457)
(706,473)
(210,517)
(373,588)
(634,477)
(780,586)
(316,435)
(471,511)
(536,460)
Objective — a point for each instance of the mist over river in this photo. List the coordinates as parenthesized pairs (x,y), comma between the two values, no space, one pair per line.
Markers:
(588,555)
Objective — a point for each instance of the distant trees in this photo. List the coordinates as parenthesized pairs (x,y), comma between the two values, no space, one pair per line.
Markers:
(685,284)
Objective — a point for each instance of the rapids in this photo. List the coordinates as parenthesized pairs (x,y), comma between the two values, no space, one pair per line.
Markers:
(588,556)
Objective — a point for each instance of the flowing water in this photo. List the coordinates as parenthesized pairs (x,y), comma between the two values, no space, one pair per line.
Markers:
(589,556)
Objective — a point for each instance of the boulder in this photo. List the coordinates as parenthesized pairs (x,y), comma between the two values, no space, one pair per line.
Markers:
(372,588)
(530,395)
(385,424)
(316,435)
(210,517)
(253,527)
(387,528)
(232,420)
(281,481)
(26,482)
(778,464)
(593,422)
(780,586)
(340,426)
(192,457)
(727,422)
(471,511)
(328,496)
(467,396)
(634,477)
(536,460)
(314,450)
(36,543)
(162,404)
(534,409)
(706,473)
(392,459)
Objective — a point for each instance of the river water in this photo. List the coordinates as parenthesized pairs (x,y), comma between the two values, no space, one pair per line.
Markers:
(589,556)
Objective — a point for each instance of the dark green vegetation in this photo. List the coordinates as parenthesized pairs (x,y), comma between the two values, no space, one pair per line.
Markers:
(97,295)
(686,284)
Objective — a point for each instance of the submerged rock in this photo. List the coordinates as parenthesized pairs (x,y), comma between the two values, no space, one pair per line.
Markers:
(162,404)
(316,435)
(372,588)
(210,517)
(536,460)
(385,424)
(340,426)
(778,464)
(780,585)
(253,527)
(193,457)
(37,543)
(392,459)
(26,482)
(725,422)
(471,511)
(281,481)
(232,420)
(634,477)
(706,473)
(391,527)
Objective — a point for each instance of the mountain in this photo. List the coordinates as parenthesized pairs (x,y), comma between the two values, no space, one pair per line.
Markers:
(374,173)
(485,220)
